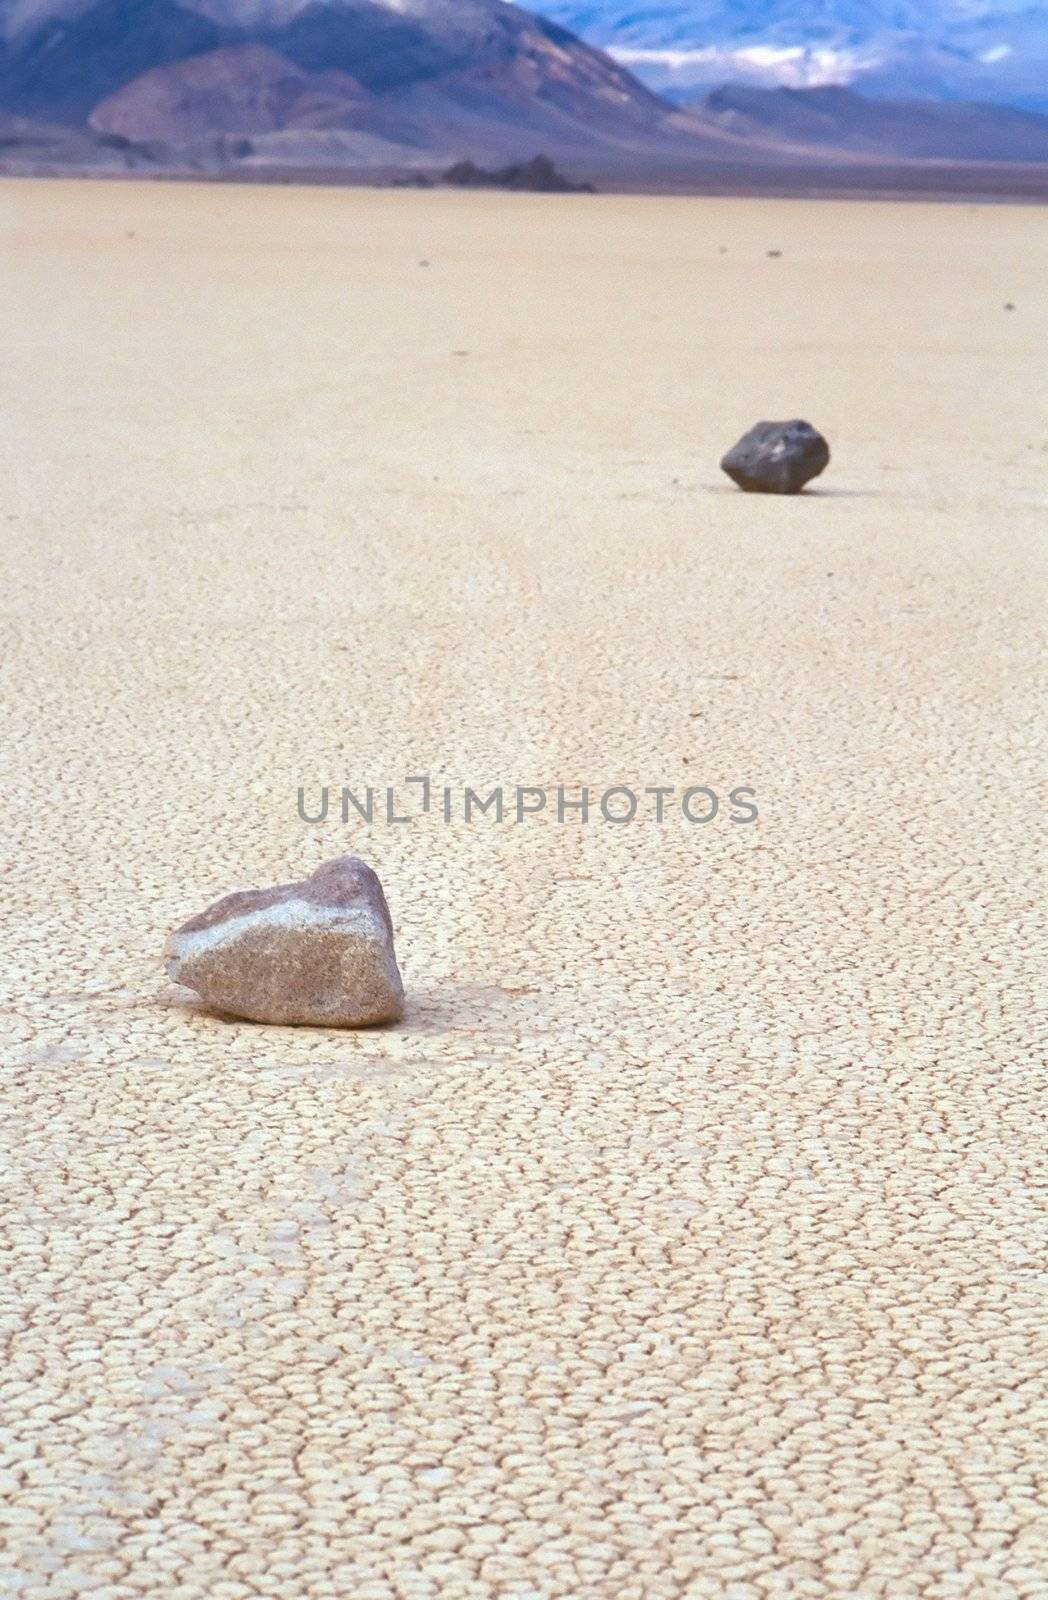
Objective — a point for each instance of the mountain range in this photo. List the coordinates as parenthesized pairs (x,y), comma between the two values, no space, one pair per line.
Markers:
(387,87)
(348,82)
(994,50)
(841,122)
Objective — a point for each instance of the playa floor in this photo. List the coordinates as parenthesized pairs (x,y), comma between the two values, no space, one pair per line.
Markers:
(683,1241)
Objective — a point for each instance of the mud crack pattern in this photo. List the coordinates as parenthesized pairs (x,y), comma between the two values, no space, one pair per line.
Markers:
(686,1241)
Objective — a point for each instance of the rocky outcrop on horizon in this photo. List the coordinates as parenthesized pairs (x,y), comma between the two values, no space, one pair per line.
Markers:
(537,176)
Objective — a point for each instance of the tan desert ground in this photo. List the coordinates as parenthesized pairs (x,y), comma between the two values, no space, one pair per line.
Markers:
(685,1240)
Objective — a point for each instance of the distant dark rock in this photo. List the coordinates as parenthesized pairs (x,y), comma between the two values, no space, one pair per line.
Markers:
(537,176)
(777,457)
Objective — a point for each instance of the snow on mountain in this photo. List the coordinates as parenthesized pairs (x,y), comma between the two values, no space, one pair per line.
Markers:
(993,49)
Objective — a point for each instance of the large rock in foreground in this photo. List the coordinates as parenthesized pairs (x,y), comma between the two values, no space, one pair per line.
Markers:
(777,457)
(317,952)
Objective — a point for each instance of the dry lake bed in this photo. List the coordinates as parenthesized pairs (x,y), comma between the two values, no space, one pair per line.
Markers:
(684,1239)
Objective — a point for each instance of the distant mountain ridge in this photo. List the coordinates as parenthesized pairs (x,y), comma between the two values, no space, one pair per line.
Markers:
(69,62)
(340,84)
(238,89)
(973,49)
(288,86)
(840,121)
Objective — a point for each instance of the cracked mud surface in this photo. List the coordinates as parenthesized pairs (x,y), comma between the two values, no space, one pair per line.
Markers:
(686,1240)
